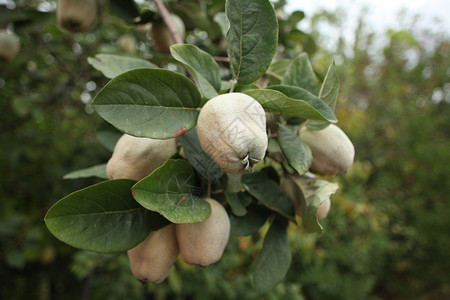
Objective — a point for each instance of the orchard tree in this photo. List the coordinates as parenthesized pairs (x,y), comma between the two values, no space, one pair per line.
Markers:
(236,140)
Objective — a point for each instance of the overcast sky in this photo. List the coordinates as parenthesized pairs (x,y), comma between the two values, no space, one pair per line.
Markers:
(383,13)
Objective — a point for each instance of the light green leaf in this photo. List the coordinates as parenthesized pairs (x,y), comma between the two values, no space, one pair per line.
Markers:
(169,191)
(112,65)
(301,74)
(202,65)
(260,186)
(274,260)
(204,164)
(102,218)
(310,107)
(153,103)
(315,192)
(329,93)
(252,38)
(296,152)
(221,19)
(94,171)
(238,202)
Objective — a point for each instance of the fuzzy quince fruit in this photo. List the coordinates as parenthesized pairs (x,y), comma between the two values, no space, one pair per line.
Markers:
(135,157)
(9,45)
(332,150)
(152,259)
(77,15)
(161,35)
(203,243)
(232,131)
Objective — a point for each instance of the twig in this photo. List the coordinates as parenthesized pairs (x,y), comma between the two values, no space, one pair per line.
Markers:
(168,20)
(221,59)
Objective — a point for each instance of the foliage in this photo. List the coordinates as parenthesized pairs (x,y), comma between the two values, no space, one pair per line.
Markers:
(388,223)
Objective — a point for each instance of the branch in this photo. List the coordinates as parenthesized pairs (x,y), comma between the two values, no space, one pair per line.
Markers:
(168,20)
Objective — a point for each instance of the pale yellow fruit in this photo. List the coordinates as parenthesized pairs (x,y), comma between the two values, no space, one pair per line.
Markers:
(77,15)
(9,45)
(232,131)
(203,243)
(127,43)
(135,157)
(152,259)
(332,150)
(161,35)
(323,209)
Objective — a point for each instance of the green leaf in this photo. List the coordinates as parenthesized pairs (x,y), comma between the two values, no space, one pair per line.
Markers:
(296,152)
(204,164)
(168,191)
(221,19)
(112,65)
(153,103)
(125,9)
(103,218)
(108,135)
(251,39)
(301,74)
(202,65)
(238,202)
(260,186)
(276,101)
(250,223)
(94,171)
(315,192)
(274,260)
(329,93)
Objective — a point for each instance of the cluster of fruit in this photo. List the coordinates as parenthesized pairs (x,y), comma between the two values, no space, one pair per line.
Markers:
(232,131)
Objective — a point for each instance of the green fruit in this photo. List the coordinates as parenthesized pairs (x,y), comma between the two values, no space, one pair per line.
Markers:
(9,45)
(77,15)
(232,131)
(203,243)
(152,259)
(332,150)
(161,35)
(135,157)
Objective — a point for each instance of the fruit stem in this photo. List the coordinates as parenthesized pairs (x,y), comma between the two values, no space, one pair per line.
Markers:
(233,85)
(166,17)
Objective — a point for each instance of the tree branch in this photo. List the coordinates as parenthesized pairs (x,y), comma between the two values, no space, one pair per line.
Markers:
(168,20)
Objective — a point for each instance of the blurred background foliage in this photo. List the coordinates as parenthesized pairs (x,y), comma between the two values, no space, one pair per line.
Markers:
(385,238)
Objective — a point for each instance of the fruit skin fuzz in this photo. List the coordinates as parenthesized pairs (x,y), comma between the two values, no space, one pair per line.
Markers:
(152,259)
(333,152)
(232,131)
(203,243)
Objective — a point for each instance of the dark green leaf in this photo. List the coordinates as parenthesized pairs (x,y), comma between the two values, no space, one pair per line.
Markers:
(168,191)
(269,193)
(276,101)
(250,223)
(113,65)
(301,74)
(102,218)
(94,171)
(296,152)
(252,38)
(108,135)
(204,164)
(274,260)
(202,65)
(153,103)
(125,9)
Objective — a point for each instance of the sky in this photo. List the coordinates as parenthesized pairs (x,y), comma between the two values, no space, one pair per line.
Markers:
(382,13)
